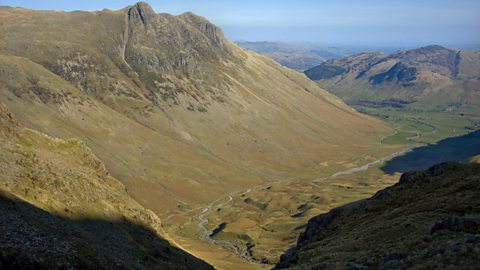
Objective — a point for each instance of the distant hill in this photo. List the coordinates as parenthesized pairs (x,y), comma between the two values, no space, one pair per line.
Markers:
(428,78)
(296,56)
(429,220)
(303,56)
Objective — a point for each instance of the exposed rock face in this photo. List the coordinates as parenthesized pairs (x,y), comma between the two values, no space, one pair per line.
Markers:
(141,13)
(430,219)
(435,58)
(203,25)
(399,73)
(8,124)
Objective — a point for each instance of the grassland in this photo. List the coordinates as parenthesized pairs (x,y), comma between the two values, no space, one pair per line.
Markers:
(417,126)
(209,116)
(262,221)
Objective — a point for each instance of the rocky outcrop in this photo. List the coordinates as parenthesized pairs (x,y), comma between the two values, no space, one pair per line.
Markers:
(141,13)
(430,219)
(206,27)
(8,124)
(399,73)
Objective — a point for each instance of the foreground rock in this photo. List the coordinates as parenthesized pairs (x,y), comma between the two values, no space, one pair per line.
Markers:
(429,220)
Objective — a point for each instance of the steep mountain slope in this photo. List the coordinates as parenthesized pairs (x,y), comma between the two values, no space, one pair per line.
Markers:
(169,105)
(429,220)
(60,208)
(431,77)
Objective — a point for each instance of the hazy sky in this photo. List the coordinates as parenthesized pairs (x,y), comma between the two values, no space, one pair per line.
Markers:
(349,22)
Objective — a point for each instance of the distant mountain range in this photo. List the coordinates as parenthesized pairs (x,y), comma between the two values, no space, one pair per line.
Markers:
(303,56)
(296,56)
(429,78)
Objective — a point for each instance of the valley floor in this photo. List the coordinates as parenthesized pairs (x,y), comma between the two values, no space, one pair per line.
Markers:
(260,222)
(251,228)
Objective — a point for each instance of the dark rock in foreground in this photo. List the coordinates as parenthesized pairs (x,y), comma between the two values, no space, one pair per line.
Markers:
(429,220)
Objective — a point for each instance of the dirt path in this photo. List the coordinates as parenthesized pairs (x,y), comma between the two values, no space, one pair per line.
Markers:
(364,167)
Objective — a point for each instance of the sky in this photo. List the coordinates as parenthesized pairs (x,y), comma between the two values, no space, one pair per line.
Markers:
(345,22)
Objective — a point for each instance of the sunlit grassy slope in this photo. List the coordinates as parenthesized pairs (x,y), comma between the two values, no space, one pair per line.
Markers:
(169,105)
(179,115)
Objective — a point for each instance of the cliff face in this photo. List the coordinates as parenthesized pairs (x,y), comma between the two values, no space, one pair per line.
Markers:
(429,220)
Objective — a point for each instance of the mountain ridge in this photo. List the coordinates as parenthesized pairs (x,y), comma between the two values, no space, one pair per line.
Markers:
(411,75)
(173,79)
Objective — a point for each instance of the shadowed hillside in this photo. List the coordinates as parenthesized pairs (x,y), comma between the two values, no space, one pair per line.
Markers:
(429,220)
(455,148)
(61,209)
(36,239)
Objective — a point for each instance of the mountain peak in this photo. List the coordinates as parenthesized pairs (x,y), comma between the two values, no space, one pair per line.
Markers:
(144,6)
(141,12)
(205,26)
(434,47)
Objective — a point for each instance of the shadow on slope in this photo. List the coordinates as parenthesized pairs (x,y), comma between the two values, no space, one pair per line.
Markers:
(455,148)
(32,238)
(429,220)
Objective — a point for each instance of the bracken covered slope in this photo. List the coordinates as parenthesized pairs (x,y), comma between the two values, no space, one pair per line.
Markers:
(169,105)
(61,209)
(429,220)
